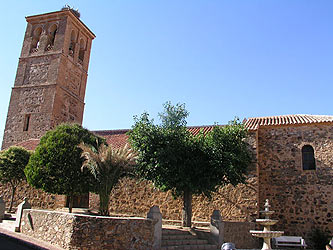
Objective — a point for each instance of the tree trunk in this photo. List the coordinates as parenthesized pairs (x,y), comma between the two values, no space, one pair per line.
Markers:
(12,198)
(104,204)
(187,209)
(70,203)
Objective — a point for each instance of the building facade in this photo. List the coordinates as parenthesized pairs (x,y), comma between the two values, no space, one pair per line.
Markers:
(295,170)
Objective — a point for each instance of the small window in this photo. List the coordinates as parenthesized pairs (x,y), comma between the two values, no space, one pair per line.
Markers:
(308,159)
(26,122)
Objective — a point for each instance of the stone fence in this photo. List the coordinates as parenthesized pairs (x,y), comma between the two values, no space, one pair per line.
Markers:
(229,231)
(76,231)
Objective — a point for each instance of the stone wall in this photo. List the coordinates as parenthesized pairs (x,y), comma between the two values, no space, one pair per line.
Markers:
(73,231)
(302,199)
(36,197)
(133,198)
(239,233)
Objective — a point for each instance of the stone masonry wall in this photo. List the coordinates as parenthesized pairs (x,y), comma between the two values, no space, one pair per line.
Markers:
(239,233)
(50,82)
(135,198)
(34,101)
(36,197)
(84,232)
(302,199)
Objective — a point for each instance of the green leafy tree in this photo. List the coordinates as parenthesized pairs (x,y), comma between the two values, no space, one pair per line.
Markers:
(107,165)
(12,163)
(55,167)
(174,159)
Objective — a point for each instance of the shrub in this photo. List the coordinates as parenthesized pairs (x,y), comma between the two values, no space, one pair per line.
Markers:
(319,238)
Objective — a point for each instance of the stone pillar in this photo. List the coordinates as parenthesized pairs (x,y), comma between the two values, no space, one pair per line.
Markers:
(155,214)
(43,40)
(2,209)
(23,205)
(217,228)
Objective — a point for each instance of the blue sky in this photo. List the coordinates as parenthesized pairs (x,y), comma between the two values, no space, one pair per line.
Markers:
(242,58)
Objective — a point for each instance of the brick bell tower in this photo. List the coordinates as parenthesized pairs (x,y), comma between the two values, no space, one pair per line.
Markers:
(51,77)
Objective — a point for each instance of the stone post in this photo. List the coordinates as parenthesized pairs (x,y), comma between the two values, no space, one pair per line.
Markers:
(217,228)
(155,214)
(23,205)
(2,209)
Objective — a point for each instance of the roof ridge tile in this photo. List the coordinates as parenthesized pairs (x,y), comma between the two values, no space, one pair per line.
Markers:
(254,122)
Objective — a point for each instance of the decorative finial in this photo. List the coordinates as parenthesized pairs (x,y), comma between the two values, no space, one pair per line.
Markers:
(267,206)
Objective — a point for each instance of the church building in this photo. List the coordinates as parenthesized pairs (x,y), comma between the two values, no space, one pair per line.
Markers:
(292,154)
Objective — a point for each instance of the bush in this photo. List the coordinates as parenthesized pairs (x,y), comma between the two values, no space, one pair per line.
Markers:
(55,167)
(12,163)
(319,238)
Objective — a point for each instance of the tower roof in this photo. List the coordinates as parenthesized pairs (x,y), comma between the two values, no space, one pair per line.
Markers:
(56,14)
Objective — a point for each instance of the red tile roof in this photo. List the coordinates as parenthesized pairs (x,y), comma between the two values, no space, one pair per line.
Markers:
(118,138)
(196,129)
(256,122)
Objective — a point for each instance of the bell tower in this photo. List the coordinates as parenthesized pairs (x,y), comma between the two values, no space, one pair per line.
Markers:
(51,77)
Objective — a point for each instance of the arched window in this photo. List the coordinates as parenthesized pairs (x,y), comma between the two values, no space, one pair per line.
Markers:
(308,159)
(51,36)
(82,50)
(72,44)
(35,39)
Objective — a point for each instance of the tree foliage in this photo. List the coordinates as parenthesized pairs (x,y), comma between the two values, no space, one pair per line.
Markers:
(229,153)
(55,167)
(107,165)
(174,159)
(12,163)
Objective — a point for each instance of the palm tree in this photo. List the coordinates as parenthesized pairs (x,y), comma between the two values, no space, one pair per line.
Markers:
(107,165)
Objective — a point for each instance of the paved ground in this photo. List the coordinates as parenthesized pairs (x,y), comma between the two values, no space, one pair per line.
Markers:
(11,240)
(7,243)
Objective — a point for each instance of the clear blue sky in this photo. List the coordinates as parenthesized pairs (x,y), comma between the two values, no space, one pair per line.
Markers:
(242,58)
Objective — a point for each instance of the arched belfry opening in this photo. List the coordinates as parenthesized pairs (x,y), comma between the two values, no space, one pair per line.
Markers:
(71,49)
(82,50)
(51,36)
(36,39)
